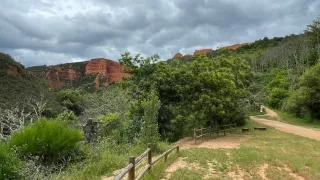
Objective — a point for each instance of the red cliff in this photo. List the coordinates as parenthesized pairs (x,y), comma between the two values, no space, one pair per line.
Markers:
(113,71)
(177,55)
(58,75)
(235,46)
(106,72)
(205,51)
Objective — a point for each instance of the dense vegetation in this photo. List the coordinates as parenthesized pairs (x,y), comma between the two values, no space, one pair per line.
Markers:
(42,130)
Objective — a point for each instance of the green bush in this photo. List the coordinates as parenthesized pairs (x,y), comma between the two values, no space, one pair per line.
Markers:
(68,116)
(9,163)
(277,96)
(111,126)
(305,102)
(49,140)
(72,100)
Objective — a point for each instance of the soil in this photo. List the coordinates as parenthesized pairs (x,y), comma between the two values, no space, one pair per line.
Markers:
(226,142)
(297,130)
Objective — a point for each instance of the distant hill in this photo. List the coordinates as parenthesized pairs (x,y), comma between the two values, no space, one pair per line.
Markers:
(17,83)
(87,74)
(9,66)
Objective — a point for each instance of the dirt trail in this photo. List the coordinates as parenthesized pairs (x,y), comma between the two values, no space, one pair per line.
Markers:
(297,130)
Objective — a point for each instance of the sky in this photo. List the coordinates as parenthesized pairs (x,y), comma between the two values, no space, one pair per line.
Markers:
(38,32)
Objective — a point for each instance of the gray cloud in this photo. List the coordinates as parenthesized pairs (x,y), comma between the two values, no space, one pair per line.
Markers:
(38,32)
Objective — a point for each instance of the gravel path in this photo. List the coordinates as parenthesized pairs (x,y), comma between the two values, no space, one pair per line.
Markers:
(297,130)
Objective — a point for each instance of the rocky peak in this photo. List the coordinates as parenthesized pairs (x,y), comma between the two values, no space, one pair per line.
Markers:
(177,55)
(236,46)
(205,51)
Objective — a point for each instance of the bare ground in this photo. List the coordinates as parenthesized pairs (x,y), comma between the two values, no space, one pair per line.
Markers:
(225,142)
(297,130)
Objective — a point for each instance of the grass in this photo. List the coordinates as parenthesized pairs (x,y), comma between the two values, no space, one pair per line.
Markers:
(103,160)
(284,155)
(292,119)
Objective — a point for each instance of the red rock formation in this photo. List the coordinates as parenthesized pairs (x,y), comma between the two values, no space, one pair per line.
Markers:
(235,46)
(113,71)
(58,75)
(177,55)
(202,51)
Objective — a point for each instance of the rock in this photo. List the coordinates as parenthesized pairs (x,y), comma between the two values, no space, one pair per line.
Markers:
(113,71)
(205,51)
(235,46)
(104,69)
(177,55)
(58,76)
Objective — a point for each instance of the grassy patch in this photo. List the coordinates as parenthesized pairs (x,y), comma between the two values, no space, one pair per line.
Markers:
(284,155)
(103,160)
(186,174)
(292,119)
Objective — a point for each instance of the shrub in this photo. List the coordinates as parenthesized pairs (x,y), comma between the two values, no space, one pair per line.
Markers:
(72,100)
(9,163)
(149,127)
(49,140)
(111,125)
(305,102)
(68,116)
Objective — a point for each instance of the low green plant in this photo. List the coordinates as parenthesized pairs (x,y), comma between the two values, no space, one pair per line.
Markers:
(111,125)
(49,140)
(68,116)
(9,163)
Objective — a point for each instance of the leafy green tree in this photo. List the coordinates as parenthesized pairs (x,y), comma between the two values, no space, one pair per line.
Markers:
(203,92)
(72,100)
(149,125)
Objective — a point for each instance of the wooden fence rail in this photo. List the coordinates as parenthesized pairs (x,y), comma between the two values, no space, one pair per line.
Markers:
(130,169)
(221,128)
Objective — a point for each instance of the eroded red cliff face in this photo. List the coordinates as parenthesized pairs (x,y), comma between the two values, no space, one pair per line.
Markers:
(113,71)
(177,55)
(105,70)
(202,51)
(57,76)
(235,46)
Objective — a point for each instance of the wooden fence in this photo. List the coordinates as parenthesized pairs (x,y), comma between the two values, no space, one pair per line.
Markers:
(130,169)
(207,131)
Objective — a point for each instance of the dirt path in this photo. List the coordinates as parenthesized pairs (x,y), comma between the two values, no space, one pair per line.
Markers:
(297,130)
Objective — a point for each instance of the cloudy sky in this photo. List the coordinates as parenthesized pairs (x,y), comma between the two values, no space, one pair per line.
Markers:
(37,32)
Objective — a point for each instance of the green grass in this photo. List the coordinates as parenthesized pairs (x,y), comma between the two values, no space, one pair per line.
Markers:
(292,119)
(282,152)
(105,158)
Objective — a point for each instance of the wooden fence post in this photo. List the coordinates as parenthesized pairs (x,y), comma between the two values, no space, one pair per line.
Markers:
(149,156)
(195,135)
(230,128)
(131,173)
(201,134)
(178,149)
(165,157)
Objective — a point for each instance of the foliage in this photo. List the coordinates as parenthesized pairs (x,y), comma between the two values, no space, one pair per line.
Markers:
(6,60)
(277,89)
(313,33)
(107,100)
(71,99)
(51,141)
(149,124)
(104,158)
(203,92)
(9,163)
(305,102)
(68,116)
(111,126)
